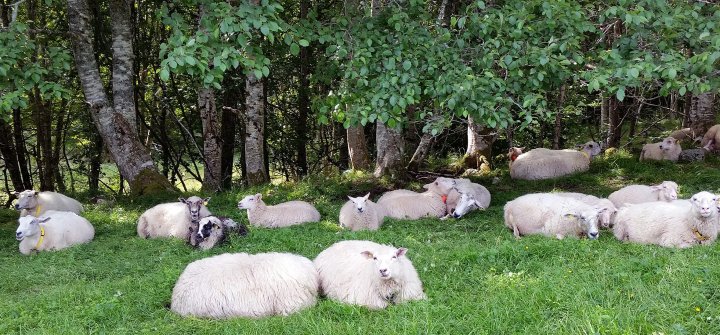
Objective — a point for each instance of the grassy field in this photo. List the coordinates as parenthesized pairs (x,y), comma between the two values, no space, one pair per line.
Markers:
(479,279)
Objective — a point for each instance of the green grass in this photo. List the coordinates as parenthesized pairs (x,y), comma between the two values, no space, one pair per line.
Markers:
(478,278)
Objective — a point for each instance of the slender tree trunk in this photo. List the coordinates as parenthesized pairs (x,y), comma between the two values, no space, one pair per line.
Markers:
(20,150)
(357,148)
(674,105)
(301,168)
(390,151)
(227,133)
(420,152)
(480,141)
(702,113)
(9,155)
(604,108)
(615,126)
(95,164)
(635,115)
(42,114)
(116,125)
(558,119)
(687,109)
(255,131)
(212,142)
(58,146)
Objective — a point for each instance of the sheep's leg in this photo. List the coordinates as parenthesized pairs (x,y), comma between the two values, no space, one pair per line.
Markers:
(516,232)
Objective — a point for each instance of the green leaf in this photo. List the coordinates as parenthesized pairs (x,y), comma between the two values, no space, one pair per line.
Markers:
(265,30)
(672,73)
(406,65)
(265,71)
(682,91)
(634,72)
(620,94)
(190,60)
(164,75)
(303,43)
(294,49)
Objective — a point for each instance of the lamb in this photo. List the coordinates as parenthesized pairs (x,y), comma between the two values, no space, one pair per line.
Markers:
(244,285)
(668,149)
(711,138)
(403,204)
(172,219)
(553,216)
(635,194)
(465,197)
(606,218)
(37,203)
(368,274)
(55,230)
(212,230)
(361,213)
(544,163)
(668,224)
(280,215)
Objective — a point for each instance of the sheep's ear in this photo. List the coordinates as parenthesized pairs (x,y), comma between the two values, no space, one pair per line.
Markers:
(368,254)
(351,198)
(656,187)
(367,196)
(477,203)
(16,193)
(521,148)
(427,186)
(35,192)
(44,219)
(182,200)
(206,200)
(571,216)
(258,196)
(400,252)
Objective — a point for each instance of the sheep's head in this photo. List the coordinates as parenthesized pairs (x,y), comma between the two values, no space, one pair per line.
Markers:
(607,215)
(360,202)
(250,201)
(26,199)
(668,144)
(667,190)
(592,148)
(387,262)
(588,219)
(466,203)
(207,225)
(29,226)
(514,153)
(195,205)
(441,185)
(705,204)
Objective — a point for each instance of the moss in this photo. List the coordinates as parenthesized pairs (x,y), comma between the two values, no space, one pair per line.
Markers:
(149,182)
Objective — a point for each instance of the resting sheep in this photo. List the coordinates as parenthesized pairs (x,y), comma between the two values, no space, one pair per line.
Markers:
(281,215)
(36,203)
(544,163)
(684,135)
(553,216)
(244,285)
(403,204)
(711,138)
(606,218)
(668,224)
(465,197)
(368,274)
(212,230)
(172,219)
(668,149)
(361,213)
(53,231)
(635,194)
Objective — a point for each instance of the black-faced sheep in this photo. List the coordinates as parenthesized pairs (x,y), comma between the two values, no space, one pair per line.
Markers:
(211,231)
(277,216)
(668,149)
(544,163)
(361,213)
(404,204)
(172,219)
(36,203)
(53,231)
(635,194)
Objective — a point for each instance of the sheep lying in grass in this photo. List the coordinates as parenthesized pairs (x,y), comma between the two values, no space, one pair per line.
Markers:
(280,215)
(606,218)
(361,213)
(465,197)
(37,203)
(368,274)
(212,230)
(684,135)
(711,139)
(668,149)
(544,163)
(244,285)
(635,194)
(553,216)
(172,219)
(53,231)
(404,204)
(668,224)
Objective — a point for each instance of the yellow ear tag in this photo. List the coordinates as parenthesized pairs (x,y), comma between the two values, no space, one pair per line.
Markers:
(205,203)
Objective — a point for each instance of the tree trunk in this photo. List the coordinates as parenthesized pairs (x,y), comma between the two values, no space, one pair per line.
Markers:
(255,131)
(116,125)
(420,152)
(59,144)
(42,115)
(212,143)
(390,149)
(558,119)
(301,168)
(480,141)
(9,154)
(614,126)
(702,114)
(674,105)
(604,107)
(95,164)
(227,133)
(357,148)
(687,108)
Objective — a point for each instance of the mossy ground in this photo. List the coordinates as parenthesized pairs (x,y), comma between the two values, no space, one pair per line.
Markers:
(478,278)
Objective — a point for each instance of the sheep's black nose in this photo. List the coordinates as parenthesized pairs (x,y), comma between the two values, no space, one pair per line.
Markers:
(383,271)
(594,235)
(17,206)
(455,215)
(18,233)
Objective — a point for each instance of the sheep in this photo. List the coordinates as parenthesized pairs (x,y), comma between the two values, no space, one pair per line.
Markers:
(37,203)
(466,196)
(668,149)
(367,274)
(212,230)
(54,230)
(245,285)
(693,155)
(544,163)
(670,224)
(711,138)
(172,219)
(361,213)
(635,194)
(606,218)
(403,204)
(553,216)
(281,215)
(684,135)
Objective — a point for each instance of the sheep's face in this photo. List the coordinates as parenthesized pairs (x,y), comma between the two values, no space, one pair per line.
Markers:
(250,201)
(195,204)
(667,189)
(441,185)
(466,204)
(606,216)
(705,204)
(360,202)
(29,226)
(514,153)
(206,226)
(588,219)
(26,199)
(592,148)
(668,144)
(387,263)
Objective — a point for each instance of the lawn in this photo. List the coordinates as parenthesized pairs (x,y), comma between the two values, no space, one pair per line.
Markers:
(479,279)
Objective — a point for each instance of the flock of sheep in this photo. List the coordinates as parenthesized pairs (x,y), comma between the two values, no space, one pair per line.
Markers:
(363,272)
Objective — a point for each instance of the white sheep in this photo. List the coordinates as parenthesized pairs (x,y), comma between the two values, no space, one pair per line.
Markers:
(212,230)
(36,203)
(465,197)
(368,274)
(711,139)
(635,194)
(361,213)
(172,219)
(668,149)
(55,230)
(244,285)
(281,215)
(403,204)
(544,163)
(670,224)
(606,218)
(553,216)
